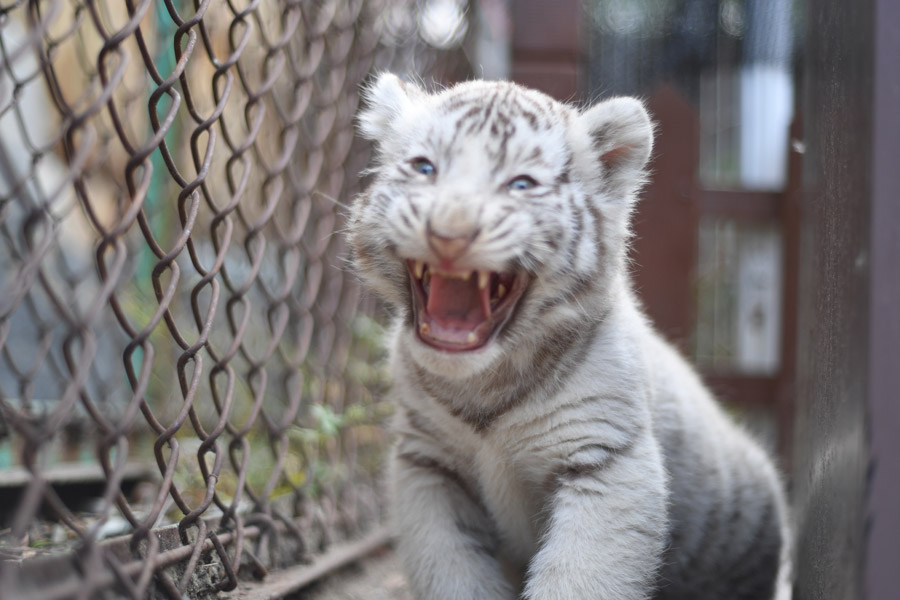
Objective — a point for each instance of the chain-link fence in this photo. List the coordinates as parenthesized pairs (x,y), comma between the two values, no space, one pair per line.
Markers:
(186,366)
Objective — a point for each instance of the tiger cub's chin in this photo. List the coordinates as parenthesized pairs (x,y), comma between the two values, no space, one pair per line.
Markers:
(452,366)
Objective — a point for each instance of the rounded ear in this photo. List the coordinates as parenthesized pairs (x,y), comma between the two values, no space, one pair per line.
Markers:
(621,137)
(387,98)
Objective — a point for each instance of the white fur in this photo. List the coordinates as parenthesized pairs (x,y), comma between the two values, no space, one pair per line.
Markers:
(580,485)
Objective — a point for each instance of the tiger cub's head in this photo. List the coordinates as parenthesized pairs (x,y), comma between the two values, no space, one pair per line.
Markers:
(497,217)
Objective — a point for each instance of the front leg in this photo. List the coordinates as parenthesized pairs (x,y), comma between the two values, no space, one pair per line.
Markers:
(606,527)
(444,536)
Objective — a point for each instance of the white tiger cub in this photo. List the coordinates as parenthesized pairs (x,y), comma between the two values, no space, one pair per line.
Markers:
(550,444)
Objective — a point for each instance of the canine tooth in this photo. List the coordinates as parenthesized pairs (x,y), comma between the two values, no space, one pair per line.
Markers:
(424,328)
(501,290)
(467,276)
(418,268)
(483,278)
(471,338)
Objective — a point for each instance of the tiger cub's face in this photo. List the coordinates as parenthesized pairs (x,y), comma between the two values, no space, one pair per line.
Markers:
(496,215)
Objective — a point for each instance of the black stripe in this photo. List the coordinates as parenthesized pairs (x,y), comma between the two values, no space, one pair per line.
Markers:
(469,114)
(448,474)
(421,424)
(531,118)
(499,235)
(753,573)
(478,540)
(580,420)
(598,228)
(578,213)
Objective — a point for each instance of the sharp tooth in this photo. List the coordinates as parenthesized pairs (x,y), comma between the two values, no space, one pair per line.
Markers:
(471,338)
(501,290)
(418,268)
(483,278)
(424,328)
(467,276)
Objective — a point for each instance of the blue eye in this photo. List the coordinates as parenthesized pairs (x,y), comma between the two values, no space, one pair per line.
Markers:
(522,182)
(423,166)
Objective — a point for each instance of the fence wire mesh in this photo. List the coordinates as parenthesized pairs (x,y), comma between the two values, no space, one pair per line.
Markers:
(186,366)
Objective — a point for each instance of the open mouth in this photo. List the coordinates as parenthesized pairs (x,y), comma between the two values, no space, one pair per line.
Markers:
(459,310)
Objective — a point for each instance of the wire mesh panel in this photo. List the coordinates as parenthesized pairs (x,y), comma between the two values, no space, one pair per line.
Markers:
(186,366)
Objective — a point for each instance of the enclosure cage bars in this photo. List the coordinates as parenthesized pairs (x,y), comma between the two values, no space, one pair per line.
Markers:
(186,365)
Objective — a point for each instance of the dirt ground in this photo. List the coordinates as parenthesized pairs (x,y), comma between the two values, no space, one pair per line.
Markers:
(377,577)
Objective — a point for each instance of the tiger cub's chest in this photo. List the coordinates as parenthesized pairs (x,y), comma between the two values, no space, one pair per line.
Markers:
(514,492)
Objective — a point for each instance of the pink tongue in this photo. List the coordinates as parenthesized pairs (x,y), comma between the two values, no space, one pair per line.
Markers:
(456,303)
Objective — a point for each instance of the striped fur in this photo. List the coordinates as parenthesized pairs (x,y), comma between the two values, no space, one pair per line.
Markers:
(576,454)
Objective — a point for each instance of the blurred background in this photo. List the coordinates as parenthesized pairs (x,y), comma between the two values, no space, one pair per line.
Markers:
(190,378)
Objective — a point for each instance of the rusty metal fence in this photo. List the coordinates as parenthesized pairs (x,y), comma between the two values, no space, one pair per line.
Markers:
(186,366)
